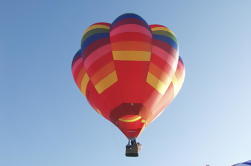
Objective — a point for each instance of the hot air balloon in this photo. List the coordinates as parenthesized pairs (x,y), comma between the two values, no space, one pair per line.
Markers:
(247,163)
(129,72)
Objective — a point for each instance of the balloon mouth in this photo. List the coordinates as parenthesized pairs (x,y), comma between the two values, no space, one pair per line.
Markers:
(130,118)
(131,125)
(125,111)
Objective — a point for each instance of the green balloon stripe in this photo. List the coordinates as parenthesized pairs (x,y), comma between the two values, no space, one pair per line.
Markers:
(165,33)
(94,31)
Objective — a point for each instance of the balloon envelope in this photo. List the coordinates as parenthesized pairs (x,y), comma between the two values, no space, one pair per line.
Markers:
(129,71)
(247,163)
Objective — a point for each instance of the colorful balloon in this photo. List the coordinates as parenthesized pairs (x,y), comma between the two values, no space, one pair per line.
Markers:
(247,163)
(129,71)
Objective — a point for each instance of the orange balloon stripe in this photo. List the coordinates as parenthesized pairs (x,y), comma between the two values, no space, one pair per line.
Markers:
(160,62)
(106,82)
(164,66)
(102,72)
(84,83)
(102,61)
(165,56)
(157,84)
(159,73)
(162,53)
(155,70)
(80,77)
(131,45)
(95,55)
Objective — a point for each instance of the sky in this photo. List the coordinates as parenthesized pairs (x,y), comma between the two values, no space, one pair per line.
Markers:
(46,121)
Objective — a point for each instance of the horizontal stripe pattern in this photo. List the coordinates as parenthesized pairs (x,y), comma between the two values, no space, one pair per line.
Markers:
(157,84)
(96,45)
(94,37)
(84,83)
(130,39)
(103,75)
(98,53)
(130,36)
(156,28)
(163,34)
(76,57)
(178,77)
(98,61)
(79,78)
(94,31)
(131,45)
(97,64)
(161,79)
(102,72)
(78,69)
(161,74)
(106,82)
(164,59)
(96,26)
(130,28)
(164,46)
(166,40)
(131,55)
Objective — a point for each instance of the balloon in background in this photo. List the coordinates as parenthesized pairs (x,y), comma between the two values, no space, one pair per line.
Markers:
(247,163)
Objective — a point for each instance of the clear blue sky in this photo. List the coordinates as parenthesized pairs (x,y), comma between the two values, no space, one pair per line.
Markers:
(45,120)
